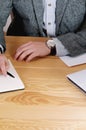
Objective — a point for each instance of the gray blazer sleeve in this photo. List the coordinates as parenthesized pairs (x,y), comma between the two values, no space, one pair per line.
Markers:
(75,42)
(5,8)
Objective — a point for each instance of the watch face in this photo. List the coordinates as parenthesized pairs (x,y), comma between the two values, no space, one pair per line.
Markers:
(50,43)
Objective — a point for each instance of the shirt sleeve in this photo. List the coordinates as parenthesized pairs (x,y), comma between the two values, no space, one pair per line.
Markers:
(1,49)
(60,49)
(5,9)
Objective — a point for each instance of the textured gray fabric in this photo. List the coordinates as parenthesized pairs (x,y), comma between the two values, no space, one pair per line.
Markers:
(70,21)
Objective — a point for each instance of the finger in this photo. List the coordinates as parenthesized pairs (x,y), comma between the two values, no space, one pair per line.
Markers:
(31,57)
(4,64)
(3,69)
(7,64)
(20,52)
(24,46)
(25,54)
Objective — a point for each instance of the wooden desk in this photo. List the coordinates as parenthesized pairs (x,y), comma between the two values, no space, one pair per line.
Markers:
(49,102)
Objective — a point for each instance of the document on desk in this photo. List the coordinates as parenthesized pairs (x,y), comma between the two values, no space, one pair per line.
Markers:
(10,83)
(72,61)
(79,79)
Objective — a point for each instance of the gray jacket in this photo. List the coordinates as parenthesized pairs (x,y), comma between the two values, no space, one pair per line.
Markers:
(28,21)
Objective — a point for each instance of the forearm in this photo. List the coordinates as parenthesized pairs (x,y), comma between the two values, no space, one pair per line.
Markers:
(2,40)
(75,43)
(5,9)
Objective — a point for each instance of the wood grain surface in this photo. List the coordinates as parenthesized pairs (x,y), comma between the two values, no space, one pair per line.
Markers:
(49,101)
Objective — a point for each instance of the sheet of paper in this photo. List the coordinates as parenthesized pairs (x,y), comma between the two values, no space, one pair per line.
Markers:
(10,84)
(72,61)
(79,79)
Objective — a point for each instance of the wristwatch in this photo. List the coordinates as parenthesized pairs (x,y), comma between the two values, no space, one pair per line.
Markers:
(52,46)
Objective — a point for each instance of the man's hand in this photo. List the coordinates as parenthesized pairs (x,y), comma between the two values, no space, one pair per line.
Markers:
(31,50)
(4,65)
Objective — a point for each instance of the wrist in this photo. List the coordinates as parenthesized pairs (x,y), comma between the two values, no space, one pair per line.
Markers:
(52,46)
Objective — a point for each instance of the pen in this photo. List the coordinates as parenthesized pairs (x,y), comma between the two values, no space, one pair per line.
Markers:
(10,75)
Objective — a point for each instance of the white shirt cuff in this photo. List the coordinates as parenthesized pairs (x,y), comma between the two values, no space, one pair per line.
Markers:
(1,47)
(60,49)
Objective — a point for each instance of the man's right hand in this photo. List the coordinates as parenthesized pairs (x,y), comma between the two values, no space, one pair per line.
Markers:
(4,65)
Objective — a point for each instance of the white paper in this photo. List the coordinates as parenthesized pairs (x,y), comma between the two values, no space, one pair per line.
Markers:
(8,83)
(72,61)
(79,78)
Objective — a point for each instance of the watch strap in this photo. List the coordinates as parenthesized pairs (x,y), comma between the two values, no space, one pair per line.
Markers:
(53,51)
